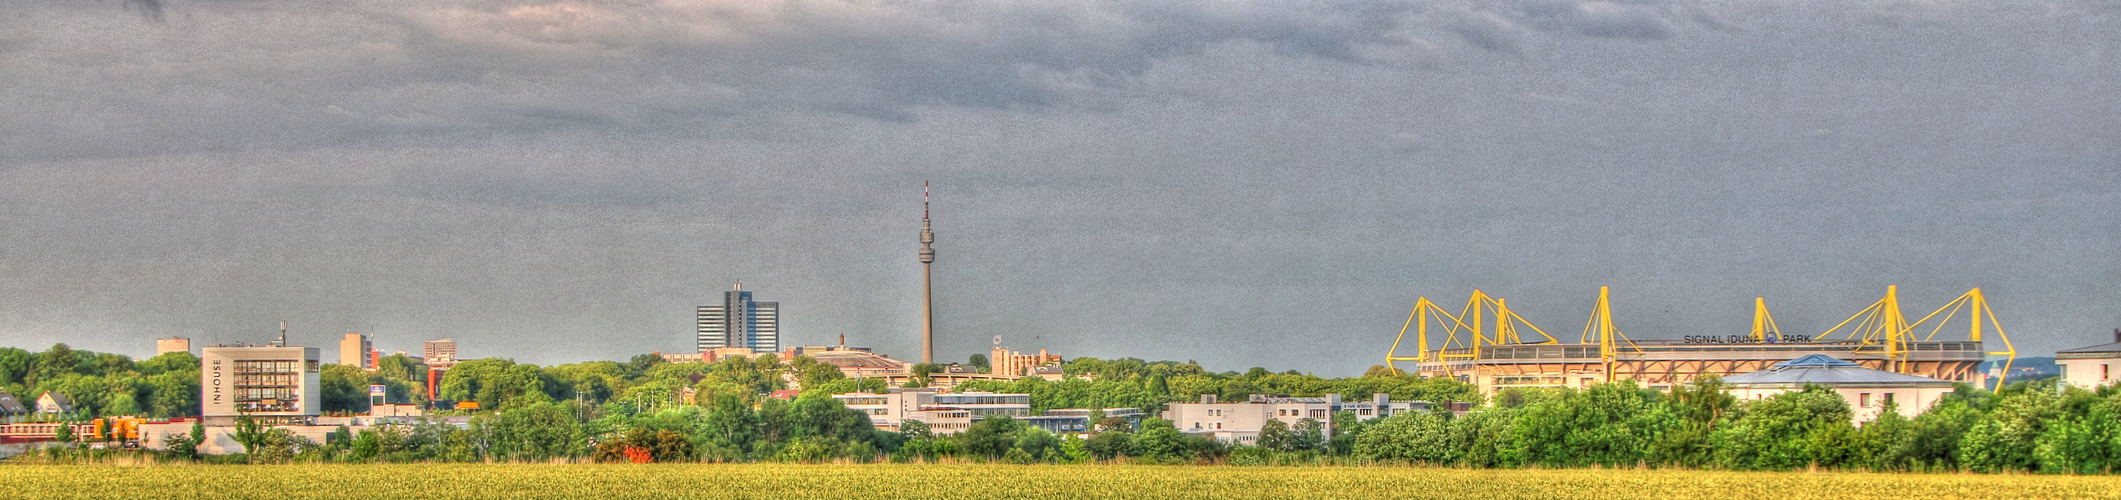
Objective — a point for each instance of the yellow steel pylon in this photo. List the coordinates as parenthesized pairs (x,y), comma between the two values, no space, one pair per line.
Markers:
(1883,326)
(1600,327)
(1477,309)
(1763,323)
(1980,311)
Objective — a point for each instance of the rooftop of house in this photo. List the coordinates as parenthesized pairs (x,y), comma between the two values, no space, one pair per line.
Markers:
(1825,370)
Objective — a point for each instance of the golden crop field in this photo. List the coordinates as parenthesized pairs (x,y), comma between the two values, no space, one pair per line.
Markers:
(774,481)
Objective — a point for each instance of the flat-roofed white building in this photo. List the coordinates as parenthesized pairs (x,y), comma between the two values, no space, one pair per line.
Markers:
(278,385)
(2094,366)
(1866,390)
(945,413)
(1240,422)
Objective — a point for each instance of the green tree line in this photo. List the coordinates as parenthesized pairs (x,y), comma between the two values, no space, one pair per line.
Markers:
(2040,426)
(103,383)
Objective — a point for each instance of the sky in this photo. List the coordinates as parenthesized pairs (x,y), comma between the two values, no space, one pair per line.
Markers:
(1241,184)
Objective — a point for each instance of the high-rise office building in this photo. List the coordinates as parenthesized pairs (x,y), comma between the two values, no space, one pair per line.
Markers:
(740,322)
(357,350)
(439,351)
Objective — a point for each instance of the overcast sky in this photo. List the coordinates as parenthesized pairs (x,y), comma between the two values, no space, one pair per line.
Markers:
(1243,184)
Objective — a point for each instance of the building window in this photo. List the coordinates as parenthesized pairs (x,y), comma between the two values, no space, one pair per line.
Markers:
(1888,398)
(1863,400)
(2106,372)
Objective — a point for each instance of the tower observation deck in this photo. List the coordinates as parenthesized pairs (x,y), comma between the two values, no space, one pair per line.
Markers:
(927,288)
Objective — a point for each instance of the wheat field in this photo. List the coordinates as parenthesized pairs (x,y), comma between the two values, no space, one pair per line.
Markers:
(1130,482)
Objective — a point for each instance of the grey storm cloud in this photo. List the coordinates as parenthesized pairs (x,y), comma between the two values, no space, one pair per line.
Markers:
(1245,184)
(229,76)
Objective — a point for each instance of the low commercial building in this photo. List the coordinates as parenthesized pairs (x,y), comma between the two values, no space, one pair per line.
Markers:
(2093,366)
(945,413)
(679,357)
(854,362)
(1867,391)
(1240,423)
(717,354)
(172,344)
(1079,421)
(278,385)
(1052,373)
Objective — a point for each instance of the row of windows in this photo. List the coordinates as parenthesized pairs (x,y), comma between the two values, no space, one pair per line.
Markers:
(1297,412)
(267,379)
(1538,352)
(256,406)
(247,395)
(1529,380)
(285,366)
(982,400)
(1863,400)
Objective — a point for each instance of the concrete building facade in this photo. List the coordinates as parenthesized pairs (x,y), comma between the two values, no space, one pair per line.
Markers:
(739,321)
(854,362)
(172,344)
(358,350)
(2093,366)
(1240,422)
(1016,364)
(442,352)
(276,384)
(945,413)
(1868,391)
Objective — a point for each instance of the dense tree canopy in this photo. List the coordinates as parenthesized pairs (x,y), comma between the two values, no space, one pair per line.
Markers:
(637,410)
(103,383)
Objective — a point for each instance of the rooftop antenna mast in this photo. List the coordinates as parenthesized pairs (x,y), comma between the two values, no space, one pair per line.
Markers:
(283,335)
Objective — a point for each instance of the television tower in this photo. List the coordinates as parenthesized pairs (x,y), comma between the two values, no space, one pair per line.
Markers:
(927,289)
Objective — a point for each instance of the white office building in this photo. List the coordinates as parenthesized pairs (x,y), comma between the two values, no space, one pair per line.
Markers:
(278,385)
(945,413)
(1240,422)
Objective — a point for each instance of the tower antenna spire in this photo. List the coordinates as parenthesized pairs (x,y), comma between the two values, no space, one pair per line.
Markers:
(927,288)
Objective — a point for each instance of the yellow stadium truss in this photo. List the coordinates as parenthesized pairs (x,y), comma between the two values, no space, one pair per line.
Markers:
(1881,327)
